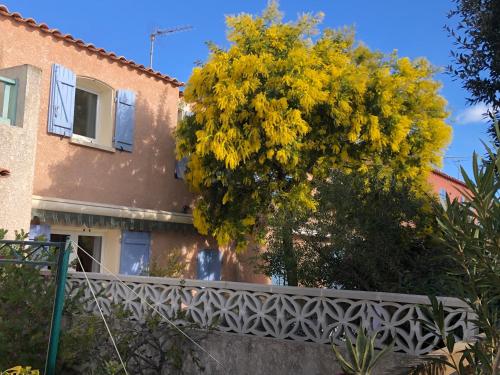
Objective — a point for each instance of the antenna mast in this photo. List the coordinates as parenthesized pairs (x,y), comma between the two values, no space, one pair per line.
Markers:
(160,32)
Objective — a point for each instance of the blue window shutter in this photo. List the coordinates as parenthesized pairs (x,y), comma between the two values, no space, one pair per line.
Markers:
(125,120)
(180,168)
(209,265)
(62,101)
(39,232)
(134,254)
(277,280)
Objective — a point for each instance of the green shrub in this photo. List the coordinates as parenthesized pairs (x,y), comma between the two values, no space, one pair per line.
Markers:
(26,300)
(471,232)
(149,346)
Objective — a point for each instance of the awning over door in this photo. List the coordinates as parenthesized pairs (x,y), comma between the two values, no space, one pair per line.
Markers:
(77,213)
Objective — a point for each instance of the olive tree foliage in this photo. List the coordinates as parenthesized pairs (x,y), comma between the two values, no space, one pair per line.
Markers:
(476,60)
(284,104)
(364,236)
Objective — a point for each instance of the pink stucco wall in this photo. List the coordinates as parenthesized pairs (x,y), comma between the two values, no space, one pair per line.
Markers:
(143,178)
(452,186)
(235,267)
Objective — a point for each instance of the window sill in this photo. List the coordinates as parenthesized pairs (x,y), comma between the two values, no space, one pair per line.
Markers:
(82,142)
(6,121)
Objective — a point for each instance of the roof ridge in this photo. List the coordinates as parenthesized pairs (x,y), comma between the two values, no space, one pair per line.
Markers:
(4,11)
(447,176)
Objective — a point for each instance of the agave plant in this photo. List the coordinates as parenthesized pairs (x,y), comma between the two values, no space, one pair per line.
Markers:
(361,357)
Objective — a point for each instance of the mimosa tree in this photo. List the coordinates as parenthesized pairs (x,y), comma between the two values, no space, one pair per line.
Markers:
(286,104)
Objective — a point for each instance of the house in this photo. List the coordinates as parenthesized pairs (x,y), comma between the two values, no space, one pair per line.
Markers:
(443,184)
(87,137)
(87,153)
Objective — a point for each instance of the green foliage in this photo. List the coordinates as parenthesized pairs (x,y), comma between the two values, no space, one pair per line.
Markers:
(476,61)
(361,357)
(471,231)
(147,346)
(26,299)
(279,109)
(171,264)
(364,235)
(436,366)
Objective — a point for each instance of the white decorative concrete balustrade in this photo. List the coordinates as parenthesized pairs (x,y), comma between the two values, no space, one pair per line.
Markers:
(291,313)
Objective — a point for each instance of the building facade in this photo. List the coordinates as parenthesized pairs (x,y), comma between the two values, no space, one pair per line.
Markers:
(87,139)
(443,184)
(87,154)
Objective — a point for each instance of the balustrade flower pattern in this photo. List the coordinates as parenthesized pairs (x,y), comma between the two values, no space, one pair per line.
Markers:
(303,314)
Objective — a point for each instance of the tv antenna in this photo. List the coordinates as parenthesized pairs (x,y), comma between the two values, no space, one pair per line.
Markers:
(457,160)
(160,32)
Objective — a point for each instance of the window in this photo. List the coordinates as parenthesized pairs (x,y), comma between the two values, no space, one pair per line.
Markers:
(209,264)
(8,98)
(85,113)
(93,113)
(181,165)
(180,168)
(85,109)
(184,110)
(442,196)
(91,246)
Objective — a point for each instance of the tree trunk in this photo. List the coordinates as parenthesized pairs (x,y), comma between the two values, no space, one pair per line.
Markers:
(290,258)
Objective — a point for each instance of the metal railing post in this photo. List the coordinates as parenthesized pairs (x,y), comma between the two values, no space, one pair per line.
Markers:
(55,327)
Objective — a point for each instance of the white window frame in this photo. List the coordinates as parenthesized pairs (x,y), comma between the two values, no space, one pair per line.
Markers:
(8,115)
(105,114)
(73,236)
(97,118)
(442,196)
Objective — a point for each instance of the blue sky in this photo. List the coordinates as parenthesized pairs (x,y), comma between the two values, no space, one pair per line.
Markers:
(414,28)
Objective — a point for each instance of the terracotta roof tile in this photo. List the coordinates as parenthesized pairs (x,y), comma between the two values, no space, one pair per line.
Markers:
(448,177)
(4,11)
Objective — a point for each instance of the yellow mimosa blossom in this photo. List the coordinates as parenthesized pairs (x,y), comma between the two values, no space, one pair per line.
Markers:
(277,109)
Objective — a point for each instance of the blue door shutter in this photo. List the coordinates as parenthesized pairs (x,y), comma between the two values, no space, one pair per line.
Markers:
(180,168)
(134,255)
(62,101)
(125,120)
(39,231)
(209,265)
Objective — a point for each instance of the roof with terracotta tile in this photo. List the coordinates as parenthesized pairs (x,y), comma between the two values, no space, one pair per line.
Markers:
(449,178)
(4,11)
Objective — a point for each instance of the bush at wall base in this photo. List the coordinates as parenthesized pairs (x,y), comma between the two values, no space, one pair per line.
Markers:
(149,346)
